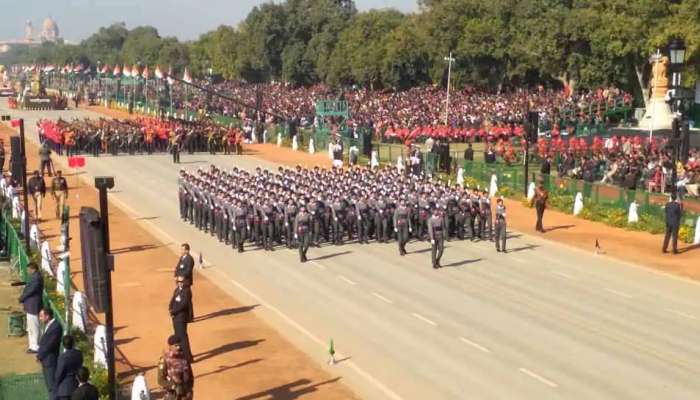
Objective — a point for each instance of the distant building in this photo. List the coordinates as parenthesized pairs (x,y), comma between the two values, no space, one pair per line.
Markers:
(49,31)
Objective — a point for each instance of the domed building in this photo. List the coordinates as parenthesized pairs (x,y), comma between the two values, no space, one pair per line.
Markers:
(49,32)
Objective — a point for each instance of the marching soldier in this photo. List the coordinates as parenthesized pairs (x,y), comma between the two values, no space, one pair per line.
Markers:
(485,217)
(302,231)
(338,212)
(267,224)
(436,234)
(402,225)
(363,219)
(500,234)
(381,219)
(290,213)
(423,215)
(240,225)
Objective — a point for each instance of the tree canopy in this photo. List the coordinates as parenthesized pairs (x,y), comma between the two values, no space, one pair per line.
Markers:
(496,44)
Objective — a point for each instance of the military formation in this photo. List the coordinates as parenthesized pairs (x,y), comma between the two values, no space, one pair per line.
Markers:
(139,136)
(289,208)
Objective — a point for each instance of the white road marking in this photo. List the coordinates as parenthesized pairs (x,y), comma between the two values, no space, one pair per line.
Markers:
(538,377)
(621,294)
(682,314)
(422,318)
(475,345)
(562,274)
(380,297)
(346,280)
(321,266)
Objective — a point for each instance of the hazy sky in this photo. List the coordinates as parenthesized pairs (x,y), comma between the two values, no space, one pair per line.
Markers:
(185,19)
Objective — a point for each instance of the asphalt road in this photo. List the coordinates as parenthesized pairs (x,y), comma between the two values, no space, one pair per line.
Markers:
(541,322)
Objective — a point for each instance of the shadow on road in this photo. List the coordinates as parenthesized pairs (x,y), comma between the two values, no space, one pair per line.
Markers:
(464,262)
(228,311)
(138,247)
(327,256)
(225,349)
(118,342)
(526,247)
(223,368)
(289,391)
(554,228)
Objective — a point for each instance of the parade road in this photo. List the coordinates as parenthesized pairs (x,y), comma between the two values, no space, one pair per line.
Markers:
(540,322)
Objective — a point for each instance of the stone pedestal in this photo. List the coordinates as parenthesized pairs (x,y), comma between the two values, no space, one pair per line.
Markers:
(658,115)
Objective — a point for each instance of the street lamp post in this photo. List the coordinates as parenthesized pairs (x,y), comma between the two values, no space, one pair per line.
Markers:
(676,51)
(449,60)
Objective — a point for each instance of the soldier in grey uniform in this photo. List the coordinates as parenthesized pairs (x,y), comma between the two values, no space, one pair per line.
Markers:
(402,225)
(485,217)
(302,231)
(267,226)
(381,219)
(338,213)
(290,213)
(423,215)
(316,210)
(363,219)
(436,234)
(500,234)
(240,225)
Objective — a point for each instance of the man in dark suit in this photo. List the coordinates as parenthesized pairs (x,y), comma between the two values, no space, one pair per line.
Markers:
(674,212)
(185,265)
(31,299)
(85,390)
(69,362)
(469,153)
(546,167)
(49,345)
(181,313)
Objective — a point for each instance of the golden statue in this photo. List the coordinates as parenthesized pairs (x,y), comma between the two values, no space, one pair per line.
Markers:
(659,79)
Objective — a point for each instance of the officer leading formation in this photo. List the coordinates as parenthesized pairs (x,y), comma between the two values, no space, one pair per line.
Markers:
(288,208)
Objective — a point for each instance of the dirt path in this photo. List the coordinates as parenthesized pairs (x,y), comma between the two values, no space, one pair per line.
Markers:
(236,353)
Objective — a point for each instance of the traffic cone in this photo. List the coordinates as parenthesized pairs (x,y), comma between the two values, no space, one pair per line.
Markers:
(331,352)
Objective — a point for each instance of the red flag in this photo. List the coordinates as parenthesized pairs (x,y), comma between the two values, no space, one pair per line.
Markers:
(15,123)
(159,73)
(146,74)
(186,76)
(117,71)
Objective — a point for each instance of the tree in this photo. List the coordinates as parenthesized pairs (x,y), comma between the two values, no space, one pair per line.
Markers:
(360,52)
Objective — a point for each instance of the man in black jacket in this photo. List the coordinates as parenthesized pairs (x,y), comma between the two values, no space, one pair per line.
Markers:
(674,212)
(49,345)
(69,362)
(185,265)
(31,299)
(469,153)
(182,313)
(85,390)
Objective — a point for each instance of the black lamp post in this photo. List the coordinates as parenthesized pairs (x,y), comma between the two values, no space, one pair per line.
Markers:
(676,50)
